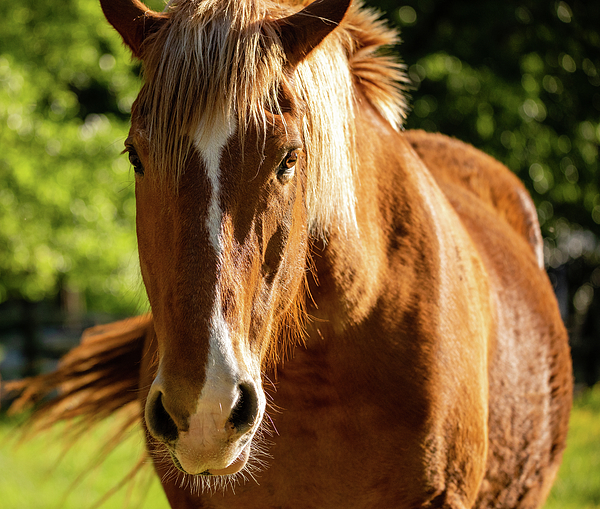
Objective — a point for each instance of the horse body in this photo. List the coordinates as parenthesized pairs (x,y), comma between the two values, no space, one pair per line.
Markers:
(529,375)
(434,370)
(359,372)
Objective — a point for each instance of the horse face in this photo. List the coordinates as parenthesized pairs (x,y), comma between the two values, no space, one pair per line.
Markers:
(222,246)
(222,254)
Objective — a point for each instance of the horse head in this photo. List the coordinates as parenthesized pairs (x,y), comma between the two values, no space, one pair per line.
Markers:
(218,145)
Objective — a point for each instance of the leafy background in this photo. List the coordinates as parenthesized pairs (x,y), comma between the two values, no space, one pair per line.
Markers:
(66,198)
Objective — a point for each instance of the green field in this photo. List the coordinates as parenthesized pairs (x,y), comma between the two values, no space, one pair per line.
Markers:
(578,483)
(39,474)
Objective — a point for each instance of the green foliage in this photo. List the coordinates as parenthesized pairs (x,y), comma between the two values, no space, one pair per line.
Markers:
(520,80)
(66,196)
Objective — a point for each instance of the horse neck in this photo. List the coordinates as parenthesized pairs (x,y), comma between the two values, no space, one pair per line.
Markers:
(397,303)
(351,266)
(408,237)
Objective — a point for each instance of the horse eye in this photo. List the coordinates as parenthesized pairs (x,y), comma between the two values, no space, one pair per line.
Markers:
(286,168)
(135,160)
(291,159)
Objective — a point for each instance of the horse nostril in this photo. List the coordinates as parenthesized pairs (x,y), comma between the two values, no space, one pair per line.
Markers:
(246,409)
(159,422)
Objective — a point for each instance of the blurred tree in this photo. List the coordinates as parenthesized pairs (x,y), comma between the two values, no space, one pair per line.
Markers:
(521,81)
(66,198)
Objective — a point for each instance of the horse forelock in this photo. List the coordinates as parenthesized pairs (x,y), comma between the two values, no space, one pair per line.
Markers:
(222,59)
(208,63)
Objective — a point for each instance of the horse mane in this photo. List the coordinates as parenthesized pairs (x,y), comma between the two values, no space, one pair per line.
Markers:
(222,59)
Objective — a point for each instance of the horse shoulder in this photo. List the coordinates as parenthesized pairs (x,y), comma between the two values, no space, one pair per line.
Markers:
(529,366)
(454,163)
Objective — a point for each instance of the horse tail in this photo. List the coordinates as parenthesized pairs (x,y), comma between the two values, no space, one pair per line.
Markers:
(92,381)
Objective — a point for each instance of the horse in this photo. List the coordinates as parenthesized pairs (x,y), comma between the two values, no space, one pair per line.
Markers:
(343,313)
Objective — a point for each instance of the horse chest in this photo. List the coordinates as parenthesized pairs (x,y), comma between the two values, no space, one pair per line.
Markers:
(338,443)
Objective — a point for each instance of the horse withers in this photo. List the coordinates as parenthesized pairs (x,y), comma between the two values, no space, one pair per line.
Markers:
(373,299)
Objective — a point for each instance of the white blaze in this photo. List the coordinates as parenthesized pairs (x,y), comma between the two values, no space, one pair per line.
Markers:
(204,445)
(222,371)
(210,141)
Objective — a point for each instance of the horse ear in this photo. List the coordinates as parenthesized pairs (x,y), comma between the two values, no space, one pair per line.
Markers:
(302,32)
(133,20)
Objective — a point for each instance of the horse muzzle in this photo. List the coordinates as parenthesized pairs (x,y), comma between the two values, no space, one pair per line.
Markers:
(213,439)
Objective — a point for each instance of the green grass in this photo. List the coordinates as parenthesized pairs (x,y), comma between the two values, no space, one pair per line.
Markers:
(578,482)
(38,474)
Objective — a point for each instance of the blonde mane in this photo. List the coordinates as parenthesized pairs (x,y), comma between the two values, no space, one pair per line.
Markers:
(218,59)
